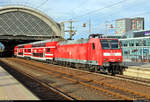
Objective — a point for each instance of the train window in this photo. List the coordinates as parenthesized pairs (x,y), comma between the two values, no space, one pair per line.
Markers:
(39,45)
(93,46)
(105,44)
(38,54)
(20,46)
(29,50)
(48,49)
(114,44)
(110,44)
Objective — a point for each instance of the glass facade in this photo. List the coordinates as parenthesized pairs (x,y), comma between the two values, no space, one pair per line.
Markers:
(136,49)
(22,23)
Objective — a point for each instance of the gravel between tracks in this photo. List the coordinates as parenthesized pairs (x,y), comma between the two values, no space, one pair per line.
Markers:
(37,89)
(73,89)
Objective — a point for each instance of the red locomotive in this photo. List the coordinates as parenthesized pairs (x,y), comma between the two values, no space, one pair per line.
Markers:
(95,54)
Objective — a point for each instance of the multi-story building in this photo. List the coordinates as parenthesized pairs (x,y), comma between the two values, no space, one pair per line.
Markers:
(137,24)
(126,25)
(123,26)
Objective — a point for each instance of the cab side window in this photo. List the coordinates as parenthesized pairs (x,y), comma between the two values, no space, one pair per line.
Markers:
(48,49)
(93,46)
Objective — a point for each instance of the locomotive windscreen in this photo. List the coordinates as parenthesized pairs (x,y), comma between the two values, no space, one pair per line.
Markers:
(110,44)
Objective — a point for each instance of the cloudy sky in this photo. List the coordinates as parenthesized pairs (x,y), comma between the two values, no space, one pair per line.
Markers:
(98,11)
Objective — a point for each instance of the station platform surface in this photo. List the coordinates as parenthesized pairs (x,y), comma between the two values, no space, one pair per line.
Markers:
(137,69)
(11,89)
(137,64)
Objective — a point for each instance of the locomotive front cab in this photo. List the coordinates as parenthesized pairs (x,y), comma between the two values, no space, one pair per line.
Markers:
(111,55)
(111,50)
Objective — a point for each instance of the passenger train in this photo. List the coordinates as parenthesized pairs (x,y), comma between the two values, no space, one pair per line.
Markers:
(94,54)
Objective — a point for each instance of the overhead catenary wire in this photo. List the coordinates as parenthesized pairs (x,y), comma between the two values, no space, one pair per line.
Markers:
(98,10)
(94,11)
(78,6)
(42,4)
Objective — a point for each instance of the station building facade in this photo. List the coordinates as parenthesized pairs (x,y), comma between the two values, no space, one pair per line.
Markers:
(137,47)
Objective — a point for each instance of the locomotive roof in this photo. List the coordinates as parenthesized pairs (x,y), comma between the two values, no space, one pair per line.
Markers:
(80,41)
(135,38)
(62,41)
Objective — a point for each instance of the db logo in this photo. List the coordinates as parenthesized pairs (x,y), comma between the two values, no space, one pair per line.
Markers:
(112,54)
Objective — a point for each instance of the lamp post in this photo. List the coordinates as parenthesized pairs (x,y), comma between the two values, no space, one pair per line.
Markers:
(106,27)
(89,26)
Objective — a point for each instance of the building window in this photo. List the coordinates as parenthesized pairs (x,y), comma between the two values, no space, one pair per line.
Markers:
(125,52)
(131,44)
(121,43)
(125,45)
(137,44)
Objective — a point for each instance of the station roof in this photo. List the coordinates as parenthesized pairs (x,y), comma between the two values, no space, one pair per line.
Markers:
(21,20)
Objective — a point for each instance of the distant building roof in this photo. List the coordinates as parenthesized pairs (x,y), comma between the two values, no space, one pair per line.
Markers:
(130,18)
(142,30)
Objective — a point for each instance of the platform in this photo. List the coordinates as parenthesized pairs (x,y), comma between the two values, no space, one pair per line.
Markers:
(142,71)
(11,89)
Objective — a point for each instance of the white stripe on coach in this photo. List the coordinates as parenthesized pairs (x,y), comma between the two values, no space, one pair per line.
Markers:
(106,54)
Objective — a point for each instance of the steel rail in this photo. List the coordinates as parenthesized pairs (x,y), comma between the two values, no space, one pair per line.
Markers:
(102,83)
(114,94)
(74,80)
(44,84)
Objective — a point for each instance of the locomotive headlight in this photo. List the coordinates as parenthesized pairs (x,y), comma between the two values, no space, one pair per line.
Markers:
(105,59)
(119,59)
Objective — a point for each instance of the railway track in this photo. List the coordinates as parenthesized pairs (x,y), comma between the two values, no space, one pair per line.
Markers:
(42,83)
(142,81)
(79,77)
(67,97)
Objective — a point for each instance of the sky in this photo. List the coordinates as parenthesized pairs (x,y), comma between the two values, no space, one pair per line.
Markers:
(99,12)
